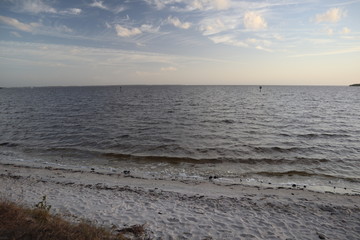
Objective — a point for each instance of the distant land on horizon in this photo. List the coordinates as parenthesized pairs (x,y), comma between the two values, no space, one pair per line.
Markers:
(355,85)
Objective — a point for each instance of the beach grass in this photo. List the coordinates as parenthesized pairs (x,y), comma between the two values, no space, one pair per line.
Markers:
(18,222)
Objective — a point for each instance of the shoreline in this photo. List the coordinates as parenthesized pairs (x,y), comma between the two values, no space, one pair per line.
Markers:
(292,182)
(173,209)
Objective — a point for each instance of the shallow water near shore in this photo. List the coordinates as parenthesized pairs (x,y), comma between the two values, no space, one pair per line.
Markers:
(281,136)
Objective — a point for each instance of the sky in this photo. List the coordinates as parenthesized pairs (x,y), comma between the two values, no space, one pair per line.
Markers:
(211,42)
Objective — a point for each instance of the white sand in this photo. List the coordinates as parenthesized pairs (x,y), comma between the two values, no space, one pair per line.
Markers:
(185,210)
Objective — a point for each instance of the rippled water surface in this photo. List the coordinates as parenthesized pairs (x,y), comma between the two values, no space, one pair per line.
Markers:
(307,135)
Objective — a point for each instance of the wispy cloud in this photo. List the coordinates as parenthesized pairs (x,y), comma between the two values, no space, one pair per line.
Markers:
(343,3)
(207,5)
(73,56)
(98,4)
(332,15)
(101,5)
(16,34)
(232,40)
(62,29)
(256,41)
(39,6)
(17,24)
(335,52)
(71,11)
(256,5)
(126,32)
(228,40)
(59,30)
(190,5)
(214,25)
(119,9)
(149,28)
(33,6)
(319,41)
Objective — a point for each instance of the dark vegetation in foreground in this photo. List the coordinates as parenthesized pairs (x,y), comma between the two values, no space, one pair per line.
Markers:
(20,223)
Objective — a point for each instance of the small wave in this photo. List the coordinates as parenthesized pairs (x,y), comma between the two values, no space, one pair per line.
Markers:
(168,159)
(272,161)
(228,121)
(322,135)
(285,135)
(219,121)
(9,144)
(276,149)
(250,161)
(80,153)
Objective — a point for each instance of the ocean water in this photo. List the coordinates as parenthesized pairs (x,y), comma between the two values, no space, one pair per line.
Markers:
(282,135)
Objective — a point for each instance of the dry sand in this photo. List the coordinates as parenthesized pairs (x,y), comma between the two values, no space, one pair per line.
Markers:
(185,210)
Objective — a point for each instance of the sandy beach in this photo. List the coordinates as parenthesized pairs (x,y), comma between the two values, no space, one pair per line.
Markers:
(184,209)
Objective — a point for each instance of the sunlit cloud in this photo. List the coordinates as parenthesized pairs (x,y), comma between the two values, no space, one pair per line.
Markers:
(254,21)
(209,26)
(263,48)
(222,4)
(233,40)
(212,26)
(207,5)
(332,15)
(72,11)
(345,30)
(177,23)
(36,28)
(125,32)
(98,4)
(17,24)
(149,28)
